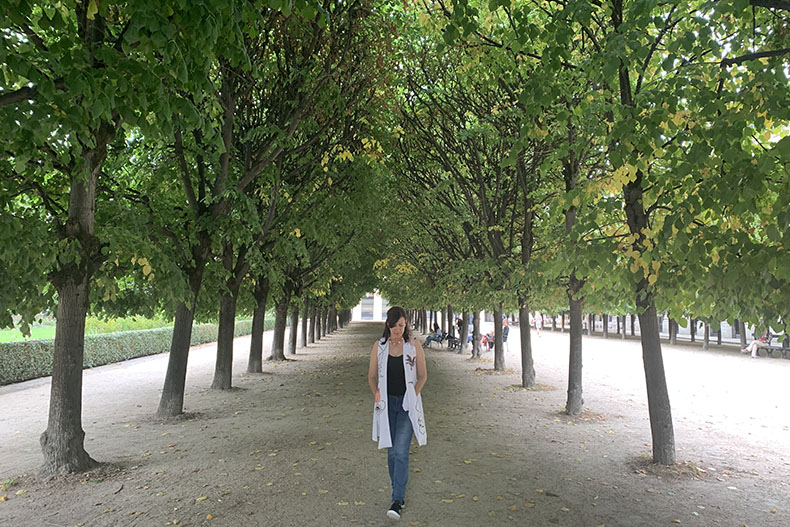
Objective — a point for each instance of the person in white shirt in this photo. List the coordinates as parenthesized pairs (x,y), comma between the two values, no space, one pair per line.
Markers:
(396,375)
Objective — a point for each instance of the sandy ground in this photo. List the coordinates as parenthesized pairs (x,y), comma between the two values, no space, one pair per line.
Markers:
(293,446)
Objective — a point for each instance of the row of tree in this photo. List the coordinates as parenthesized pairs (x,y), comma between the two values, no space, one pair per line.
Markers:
(618,156)
(203,160)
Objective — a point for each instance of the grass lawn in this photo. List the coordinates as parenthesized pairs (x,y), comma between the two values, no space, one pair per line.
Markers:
(13,335)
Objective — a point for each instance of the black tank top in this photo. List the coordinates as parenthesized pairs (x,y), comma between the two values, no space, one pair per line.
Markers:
(396,377)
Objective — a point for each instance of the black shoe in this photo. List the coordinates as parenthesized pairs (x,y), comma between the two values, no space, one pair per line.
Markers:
(394,511)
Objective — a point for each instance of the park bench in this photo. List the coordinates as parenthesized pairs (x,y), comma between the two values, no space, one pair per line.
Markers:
(442,338)
(774,345)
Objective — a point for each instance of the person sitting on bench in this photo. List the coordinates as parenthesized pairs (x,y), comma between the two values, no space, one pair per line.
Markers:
(762,342)
(436,336)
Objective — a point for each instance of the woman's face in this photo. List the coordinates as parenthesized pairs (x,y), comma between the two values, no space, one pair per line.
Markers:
(396,331)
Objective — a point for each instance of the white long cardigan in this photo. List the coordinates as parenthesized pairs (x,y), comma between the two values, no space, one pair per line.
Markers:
(412,402)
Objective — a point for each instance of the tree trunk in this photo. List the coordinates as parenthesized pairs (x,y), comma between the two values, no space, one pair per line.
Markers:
(718,335)
(743,333)
(318,323)
(499,352)
(554,322)
(605,321)
(573,405)
(706,337)
(313,323)
(293,329)
(442,317)
(261,294)
(476,335)
(464,332)
(673,331)
(223,368)
(657,393)
(622,335)
(590,324)
(305,309)
(527,362)
(280,321)
(693,328)
(633,325)
(171,403)
(62,443)
(450,324)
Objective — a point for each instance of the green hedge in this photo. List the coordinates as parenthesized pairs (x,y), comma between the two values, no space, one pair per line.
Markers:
(20,361)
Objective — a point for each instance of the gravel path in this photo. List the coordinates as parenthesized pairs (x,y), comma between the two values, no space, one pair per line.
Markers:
(292,446)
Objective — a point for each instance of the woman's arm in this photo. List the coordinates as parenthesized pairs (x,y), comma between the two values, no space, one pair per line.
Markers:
(373,371)
(422,372)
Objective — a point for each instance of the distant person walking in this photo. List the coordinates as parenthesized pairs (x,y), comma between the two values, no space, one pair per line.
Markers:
(396,376)
(538,322)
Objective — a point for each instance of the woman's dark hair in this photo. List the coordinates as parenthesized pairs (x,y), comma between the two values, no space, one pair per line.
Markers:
(394,314)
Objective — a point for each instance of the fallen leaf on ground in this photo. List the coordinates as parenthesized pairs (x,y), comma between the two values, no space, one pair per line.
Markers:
(202,498)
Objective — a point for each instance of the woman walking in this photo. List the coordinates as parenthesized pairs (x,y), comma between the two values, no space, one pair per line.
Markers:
(396,375)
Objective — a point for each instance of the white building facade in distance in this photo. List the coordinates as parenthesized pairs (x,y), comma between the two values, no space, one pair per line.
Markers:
(372,308)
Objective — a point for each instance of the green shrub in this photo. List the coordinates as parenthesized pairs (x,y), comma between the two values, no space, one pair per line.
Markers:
(20,361)
(95,326)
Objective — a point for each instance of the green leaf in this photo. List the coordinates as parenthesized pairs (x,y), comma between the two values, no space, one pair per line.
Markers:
(782,149)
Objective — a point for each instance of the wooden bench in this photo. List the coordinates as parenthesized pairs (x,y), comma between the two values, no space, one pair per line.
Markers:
(773,345)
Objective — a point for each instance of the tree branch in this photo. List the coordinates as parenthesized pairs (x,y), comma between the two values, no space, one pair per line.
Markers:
(754,56)
(771,4)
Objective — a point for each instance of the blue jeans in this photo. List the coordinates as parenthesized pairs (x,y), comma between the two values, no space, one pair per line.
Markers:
(398,454)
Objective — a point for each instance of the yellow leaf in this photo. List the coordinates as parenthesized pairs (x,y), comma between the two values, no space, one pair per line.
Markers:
(359,502)
(93,8)
(529,505)
(3,498)
(447,500)
(209,516)
(652,279)
(576,201)
(342,503)
(20,492)
(202,498)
